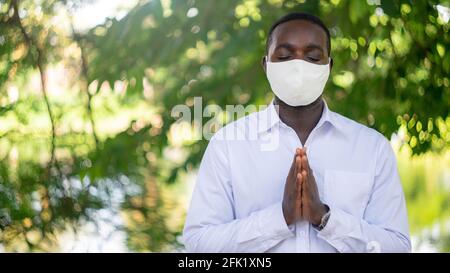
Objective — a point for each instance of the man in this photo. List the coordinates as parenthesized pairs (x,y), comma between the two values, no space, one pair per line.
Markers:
(329,185)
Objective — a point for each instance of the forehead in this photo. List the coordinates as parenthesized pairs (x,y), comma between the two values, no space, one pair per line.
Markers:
(299,33)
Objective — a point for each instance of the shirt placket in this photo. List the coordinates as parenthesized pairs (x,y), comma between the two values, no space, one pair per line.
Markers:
(302,238)
(303,228)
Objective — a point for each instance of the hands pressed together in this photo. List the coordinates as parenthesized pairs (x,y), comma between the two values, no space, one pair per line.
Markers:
(301,199)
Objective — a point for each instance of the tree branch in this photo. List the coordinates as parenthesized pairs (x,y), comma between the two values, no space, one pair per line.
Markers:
(43,79)
(84,71)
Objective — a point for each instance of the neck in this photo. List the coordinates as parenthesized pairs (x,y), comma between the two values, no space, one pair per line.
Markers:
(302,119)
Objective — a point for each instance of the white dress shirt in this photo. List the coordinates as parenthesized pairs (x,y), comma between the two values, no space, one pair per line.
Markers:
(236,203)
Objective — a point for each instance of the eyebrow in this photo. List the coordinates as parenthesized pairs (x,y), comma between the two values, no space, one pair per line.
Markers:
(315,46)
(284,45)
(290,46)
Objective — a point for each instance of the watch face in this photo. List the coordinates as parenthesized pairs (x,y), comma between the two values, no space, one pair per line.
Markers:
(324,221)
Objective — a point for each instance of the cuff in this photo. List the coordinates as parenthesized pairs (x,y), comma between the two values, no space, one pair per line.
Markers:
(273,223)
(340,225)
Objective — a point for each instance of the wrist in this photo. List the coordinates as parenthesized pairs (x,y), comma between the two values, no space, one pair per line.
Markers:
(286,214)
(316,221)
(324,220)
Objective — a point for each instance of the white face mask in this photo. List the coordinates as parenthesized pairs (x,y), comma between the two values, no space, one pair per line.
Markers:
(297,82)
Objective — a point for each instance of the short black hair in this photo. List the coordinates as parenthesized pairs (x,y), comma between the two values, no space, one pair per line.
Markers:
(299,16)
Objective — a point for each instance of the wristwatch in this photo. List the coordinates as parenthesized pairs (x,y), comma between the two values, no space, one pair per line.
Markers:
(324,220)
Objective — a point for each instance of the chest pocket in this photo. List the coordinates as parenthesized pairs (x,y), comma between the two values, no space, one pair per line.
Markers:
(348,191)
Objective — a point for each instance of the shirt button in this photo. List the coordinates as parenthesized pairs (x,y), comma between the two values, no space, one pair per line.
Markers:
(302,233)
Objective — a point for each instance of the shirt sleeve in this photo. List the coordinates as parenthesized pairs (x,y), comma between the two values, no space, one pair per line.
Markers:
(384,227)
(211,224)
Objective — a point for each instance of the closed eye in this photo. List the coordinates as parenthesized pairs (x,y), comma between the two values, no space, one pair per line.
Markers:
(283,58)
(313,59)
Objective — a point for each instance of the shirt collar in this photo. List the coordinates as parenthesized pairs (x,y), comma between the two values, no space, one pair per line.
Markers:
(269,117)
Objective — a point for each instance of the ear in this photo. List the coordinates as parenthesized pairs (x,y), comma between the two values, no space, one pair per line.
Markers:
(264,63)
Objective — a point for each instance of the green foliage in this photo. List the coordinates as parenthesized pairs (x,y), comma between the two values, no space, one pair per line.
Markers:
(390,66)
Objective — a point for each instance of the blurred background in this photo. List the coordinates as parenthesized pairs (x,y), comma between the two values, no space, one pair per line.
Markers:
(91,159)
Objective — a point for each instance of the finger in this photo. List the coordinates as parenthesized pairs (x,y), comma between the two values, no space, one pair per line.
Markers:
(299,185)
(293,169)
(305,164)
(302,151)
(300,155)
(298,199)
(305,196)
(302,195)
(299,164)
(299,195)
(293,160)
(307,160)
(304,178)
(298,161)
(310,170)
